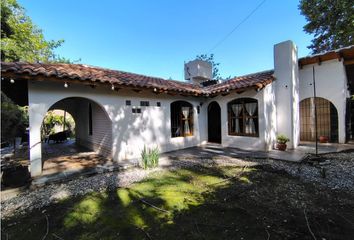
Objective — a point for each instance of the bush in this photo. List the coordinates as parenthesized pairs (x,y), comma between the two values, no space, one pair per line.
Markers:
(14,119)
(282,139)
(150,157)
(52,119)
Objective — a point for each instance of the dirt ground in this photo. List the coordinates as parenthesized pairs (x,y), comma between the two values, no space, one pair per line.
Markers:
(225,202)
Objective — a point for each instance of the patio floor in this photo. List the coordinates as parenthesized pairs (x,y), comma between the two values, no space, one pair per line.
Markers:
(62,157)
(67,160)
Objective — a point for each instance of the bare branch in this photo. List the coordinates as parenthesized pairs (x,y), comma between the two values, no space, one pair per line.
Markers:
(57,237)
(45,235)
(153,206)
(308,226)
(146,233)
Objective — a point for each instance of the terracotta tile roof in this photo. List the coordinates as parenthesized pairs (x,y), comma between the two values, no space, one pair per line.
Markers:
(91,75)
(347,53)
(258,80)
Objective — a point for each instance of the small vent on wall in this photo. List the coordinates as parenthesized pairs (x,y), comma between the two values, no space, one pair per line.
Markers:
(144,103)
(136,110)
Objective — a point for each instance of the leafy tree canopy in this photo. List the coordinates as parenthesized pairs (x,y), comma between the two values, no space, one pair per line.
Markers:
(21,40)
(52,119)
(14,119)
(215,65)
(330,21)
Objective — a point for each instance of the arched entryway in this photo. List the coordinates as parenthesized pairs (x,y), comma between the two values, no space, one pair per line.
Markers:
(327,119)
(214,123)
(91,144)
(93,126)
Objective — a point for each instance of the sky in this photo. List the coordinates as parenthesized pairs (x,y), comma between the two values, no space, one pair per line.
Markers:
(156,37)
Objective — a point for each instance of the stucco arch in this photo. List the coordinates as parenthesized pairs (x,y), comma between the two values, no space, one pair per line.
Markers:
(55,103)
(327,119)
(39,105)
(182,100)
(332,100)
(240,98)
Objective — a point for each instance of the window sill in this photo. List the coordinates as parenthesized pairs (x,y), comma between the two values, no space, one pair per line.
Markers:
(183,136)
(243,135)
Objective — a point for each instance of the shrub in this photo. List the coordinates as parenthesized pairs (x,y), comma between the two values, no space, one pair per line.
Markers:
(149,157)
(14,119)
(282,139)
(53,119)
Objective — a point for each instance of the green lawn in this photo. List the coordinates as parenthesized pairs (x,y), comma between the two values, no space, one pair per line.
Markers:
(218,203)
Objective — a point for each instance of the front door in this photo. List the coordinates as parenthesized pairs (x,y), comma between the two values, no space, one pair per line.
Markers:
(214,123)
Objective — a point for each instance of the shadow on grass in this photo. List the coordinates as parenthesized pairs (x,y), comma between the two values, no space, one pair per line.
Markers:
(195,203)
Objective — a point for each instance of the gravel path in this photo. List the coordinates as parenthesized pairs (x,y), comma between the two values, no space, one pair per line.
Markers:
(338,171)
(43,196)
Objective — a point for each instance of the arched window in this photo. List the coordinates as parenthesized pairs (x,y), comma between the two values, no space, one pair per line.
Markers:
(243,117)
(327,119)
(181,119)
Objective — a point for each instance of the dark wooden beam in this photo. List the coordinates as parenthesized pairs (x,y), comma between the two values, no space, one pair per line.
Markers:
(349,62)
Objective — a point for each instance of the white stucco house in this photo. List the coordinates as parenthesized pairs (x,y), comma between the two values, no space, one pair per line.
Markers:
(117,113)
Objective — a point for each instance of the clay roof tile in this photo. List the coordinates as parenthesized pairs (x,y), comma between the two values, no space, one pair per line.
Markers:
(96,74)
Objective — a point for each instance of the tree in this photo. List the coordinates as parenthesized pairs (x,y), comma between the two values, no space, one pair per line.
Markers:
(210,59)
(53,119)
(21,40)
(330,21)
(14,119)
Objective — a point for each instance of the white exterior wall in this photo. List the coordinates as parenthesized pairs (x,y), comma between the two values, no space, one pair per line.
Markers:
(270,116)
(122,134)
(262,142)
(287,91)
(130,131)
(101,138)
(331,84)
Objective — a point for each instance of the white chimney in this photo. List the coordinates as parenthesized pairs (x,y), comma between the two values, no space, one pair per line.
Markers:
(287,91)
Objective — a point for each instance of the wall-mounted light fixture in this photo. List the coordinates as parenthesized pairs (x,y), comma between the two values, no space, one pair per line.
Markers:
(66,85)
(12,81)
(112,87)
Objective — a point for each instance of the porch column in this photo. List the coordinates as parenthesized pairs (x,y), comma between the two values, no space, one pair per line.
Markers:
(36,114)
